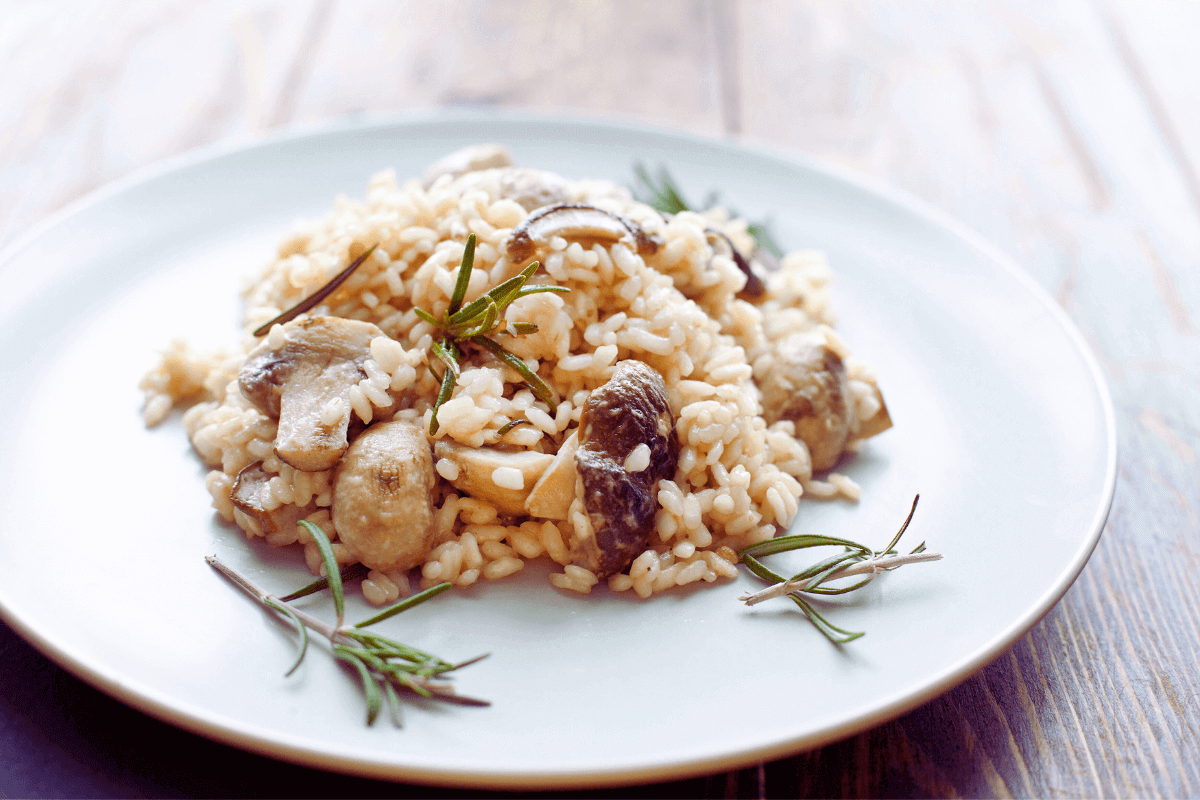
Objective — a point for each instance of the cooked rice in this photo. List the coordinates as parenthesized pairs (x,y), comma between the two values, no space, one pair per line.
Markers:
(738,480)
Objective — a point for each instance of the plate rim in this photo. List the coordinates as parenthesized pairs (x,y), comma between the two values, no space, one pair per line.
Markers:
(219,729)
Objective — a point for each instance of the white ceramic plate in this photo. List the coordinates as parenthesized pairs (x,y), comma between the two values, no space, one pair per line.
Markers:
(1003,425)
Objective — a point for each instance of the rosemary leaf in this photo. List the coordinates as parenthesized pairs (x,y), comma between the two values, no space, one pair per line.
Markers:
(348,573)
(443,395)
(541,390)
(300,628)
(499,295)
(448,354)
(540,288)
(486,322)
(896,539)
(370,689)
(425,315)
(332,574)
(316,297)
(393,701)
(832,632)
(407,603)
(503,430)
(464,277)
(782,544)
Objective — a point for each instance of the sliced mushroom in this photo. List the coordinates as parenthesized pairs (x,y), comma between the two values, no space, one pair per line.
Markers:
(383,496)
(807,385)
(478,476)
(247,497)
(305,384)
(877,423)
(531,188)
(628,411)
(552,495)
(469,159)
(722,244)
(576,222)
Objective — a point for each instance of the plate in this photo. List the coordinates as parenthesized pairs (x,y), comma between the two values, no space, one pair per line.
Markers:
(1003,424)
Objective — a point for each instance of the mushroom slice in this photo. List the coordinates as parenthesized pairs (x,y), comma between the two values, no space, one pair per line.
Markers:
(306,383)
(807,385)
(754,288)
(247,497)
(552,495)
(878,422)
(383,496)
(530,188)
(469,159)
(502,478)
(629,411)
(576,222)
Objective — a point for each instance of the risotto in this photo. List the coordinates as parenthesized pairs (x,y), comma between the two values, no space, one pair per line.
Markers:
(653,399)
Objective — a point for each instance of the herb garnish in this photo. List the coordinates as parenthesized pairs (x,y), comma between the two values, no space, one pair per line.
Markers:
(475,322)
(662,193)
(385,667)
(854,560)
(317,296)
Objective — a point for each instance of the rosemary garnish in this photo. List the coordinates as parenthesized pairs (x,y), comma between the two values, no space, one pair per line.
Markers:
(854,560)
(662,193)
(384,666)
(475,322)
(317,296)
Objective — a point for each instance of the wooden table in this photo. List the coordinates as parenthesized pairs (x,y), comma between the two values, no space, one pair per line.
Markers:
(1067,133)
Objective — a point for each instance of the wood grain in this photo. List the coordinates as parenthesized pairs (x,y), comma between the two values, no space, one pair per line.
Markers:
(1066,133)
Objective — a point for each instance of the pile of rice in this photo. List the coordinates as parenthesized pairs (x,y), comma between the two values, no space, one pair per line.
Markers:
(738,480)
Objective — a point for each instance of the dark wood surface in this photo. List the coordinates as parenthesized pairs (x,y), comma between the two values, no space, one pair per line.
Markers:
(1066,133)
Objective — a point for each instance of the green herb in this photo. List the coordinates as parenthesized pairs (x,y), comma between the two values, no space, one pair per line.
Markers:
(347,573)
(473,323)
(386,668)
(661,192)
(854,560)
(317,296)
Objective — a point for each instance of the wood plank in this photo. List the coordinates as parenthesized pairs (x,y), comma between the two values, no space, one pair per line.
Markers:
(1037,112)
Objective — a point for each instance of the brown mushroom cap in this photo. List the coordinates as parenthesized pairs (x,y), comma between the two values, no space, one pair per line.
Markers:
(383,496)
(807,385)
(630,410)
(576,222)
(320,360)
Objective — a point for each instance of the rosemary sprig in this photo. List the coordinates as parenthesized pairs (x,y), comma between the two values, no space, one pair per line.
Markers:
(854,560)
(475,322)
(317,296)
(384,666)
(663,193)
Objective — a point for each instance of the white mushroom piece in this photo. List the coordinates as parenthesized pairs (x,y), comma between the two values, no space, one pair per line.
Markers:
(528,187)
(253,509)
(502,478)
(576,222)
(807,384)
(383,496)
(305,384)
(472,158)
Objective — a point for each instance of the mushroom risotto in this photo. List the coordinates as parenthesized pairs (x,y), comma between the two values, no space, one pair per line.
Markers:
(651,396)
